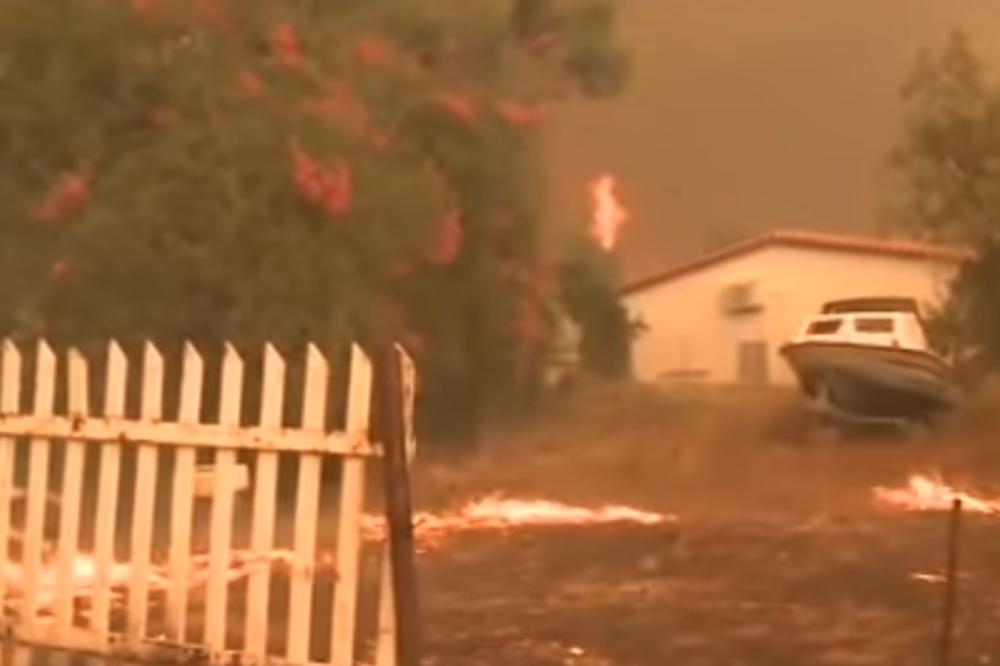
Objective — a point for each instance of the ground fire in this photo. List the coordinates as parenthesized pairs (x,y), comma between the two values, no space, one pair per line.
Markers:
(496,513)
(930,493)
(489,514)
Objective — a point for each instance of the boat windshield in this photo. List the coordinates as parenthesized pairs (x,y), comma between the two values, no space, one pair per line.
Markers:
(824,327)
(886,329)
(873,325)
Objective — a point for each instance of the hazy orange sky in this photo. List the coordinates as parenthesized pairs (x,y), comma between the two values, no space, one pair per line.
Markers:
(745,115)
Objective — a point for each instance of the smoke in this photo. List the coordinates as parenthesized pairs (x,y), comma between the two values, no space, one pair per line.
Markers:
(748,116)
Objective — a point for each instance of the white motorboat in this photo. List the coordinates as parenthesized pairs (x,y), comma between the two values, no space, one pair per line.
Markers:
(870,358)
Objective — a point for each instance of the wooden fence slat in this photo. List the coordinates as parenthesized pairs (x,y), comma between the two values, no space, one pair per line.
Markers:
(10,392)
(183,499)
(385,646)
(72,488)
(265,487)
(220,540)
(107,500)
(349,529)
(140,555)
(38,478)
(307,512)
(385,654)
(112,432)
(204,435)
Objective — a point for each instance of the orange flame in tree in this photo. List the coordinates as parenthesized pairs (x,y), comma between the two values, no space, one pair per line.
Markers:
(929,493)
(608,212)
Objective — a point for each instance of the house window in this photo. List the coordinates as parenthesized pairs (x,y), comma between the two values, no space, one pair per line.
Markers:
(741,299)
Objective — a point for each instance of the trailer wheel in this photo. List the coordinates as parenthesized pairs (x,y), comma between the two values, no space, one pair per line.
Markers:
(825,429)
(822,429)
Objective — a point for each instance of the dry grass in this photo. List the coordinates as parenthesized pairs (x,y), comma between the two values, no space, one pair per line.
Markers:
(705,447)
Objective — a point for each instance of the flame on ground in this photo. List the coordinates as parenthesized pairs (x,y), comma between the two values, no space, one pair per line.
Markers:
(492,513)
(608,212)
(930,493)
(497,513)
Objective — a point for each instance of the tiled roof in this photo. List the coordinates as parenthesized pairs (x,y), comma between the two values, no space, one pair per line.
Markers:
(908,249)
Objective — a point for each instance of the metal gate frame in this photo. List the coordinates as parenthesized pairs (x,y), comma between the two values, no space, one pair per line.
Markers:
(44,607)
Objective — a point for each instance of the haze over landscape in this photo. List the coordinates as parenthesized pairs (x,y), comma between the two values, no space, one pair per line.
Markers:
(742,117)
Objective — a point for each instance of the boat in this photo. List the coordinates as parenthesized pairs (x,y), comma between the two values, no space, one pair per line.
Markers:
(869,359)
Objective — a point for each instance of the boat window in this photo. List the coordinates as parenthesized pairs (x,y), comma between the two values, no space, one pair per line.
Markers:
(824,327)
(873,325)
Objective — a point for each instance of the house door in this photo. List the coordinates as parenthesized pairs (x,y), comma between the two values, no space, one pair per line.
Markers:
(752,363)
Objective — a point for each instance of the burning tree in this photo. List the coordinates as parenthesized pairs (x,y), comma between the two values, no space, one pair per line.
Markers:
(208,170)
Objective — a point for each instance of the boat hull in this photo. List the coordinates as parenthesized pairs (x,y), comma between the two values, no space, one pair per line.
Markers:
(873,381)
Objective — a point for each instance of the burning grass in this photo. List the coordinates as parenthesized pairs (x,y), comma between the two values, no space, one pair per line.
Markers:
(931,493)
(786,554)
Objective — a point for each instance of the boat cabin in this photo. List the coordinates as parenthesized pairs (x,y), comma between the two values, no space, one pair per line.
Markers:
(897,329)
(872,304)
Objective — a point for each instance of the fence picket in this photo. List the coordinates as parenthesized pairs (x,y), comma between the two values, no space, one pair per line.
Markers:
(145,495)
(352,491)
(183,499)
(72,488)
(385,646)
(126,589)
(307,512)
(220,540)
(107,500)
(10,394)
(38,479)
(265,487)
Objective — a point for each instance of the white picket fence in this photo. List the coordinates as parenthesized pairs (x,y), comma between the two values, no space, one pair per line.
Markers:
(217,605)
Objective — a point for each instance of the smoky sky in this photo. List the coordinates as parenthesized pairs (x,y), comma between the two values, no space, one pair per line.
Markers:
(747,115)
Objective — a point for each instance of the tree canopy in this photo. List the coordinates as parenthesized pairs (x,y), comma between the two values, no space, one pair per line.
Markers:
(293,171)
(948,163)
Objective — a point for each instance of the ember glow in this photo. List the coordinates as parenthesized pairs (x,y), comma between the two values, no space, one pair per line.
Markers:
(928,493)
(608,212)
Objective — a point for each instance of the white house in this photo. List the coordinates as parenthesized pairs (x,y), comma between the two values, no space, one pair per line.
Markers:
(722,318)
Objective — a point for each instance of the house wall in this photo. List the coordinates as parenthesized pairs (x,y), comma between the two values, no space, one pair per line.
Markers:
(689,336)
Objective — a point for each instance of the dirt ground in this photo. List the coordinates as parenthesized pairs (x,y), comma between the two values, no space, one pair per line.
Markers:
(779,556)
